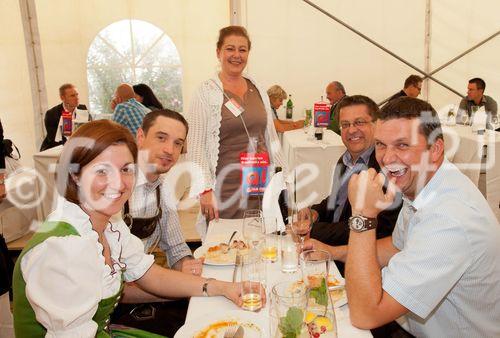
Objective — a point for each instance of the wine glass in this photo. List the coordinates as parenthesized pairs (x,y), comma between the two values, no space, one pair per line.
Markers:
(301,224)
(465,119)
(253,227)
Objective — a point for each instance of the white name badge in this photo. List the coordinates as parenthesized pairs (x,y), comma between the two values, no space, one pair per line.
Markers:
(234,107)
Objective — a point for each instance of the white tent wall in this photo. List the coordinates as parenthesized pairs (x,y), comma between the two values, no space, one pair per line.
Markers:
(302,49)
(293,45)
(456,27)
(67,29)
(16,108)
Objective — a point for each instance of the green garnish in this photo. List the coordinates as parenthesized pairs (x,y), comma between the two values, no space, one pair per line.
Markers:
(291,325)
(320,293)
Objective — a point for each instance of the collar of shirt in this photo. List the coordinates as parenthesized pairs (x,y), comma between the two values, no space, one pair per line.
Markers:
(141,180)
(363,158)
(73,214)
(472,102)
(427,194)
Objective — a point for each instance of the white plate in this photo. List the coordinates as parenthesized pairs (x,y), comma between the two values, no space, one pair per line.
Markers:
(338,291)
(252,324)
(201,251)
(338,295)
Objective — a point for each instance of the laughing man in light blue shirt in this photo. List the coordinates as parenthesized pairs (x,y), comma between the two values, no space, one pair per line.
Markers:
(441,268)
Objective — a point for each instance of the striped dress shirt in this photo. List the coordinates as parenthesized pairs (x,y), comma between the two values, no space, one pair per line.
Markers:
(447,273)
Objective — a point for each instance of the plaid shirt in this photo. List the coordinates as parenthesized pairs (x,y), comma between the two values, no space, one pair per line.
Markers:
(143,204)
(130,114)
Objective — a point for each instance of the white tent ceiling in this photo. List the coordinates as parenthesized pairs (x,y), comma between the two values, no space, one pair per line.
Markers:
(293,45)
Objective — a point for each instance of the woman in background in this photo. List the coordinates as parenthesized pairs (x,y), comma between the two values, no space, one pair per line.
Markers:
(147,97)
(276,96)
(229,115)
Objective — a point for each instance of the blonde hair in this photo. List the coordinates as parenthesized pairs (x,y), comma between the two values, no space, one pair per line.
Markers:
(276,92)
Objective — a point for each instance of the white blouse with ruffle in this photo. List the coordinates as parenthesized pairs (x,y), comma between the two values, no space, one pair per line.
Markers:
(66,277)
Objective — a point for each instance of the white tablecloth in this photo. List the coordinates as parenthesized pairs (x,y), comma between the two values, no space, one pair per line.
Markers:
(45,164)
(465,149)
(18,210)
(315,162)
(201,306)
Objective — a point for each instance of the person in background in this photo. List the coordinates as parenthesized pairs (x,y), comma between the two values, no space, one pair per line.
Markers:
(441,266)
(476,98)
(276,96)
(6,264)
(330,231)
(70,102)
(69,277)
(412,88)
(335,93)
(229,115)
(151,213)
(2,165)
(145,95)
(128,111)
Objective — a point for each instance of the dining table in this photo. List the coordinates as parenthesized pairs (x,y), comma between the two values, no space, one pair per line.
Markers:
(312,163)
(201,308)
(475,154)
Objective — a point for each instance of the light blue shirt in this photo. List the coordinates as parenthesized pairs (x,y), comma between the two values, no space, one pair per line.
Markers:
(339,190)
(130,114)
(447,273)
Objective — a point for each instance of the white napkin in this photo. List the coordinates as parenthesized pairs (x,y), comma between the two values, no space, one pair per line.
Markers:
(270,205)
(479,119)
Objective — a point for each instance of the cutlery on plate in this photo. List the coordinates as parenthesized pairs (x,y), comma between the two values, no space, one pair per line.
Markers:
(234,332)
(230,238)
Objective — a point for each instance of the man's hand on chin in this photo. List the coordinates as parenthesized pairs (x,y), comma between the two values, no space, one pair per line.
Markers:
(366,193)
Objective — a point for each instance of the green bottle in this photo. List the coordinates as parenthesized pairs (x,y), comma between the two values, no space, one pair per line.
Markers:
(289,107)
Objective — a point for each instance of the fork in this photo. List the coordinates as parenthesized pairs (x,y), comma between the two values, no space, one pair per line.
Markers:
(234,331)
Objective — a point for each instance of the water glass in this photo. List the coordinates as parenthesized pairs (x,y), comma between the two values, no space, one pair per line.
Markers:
(269,250)
(251,287)
(288,309)
(289,254)
(253,227)
(320,318)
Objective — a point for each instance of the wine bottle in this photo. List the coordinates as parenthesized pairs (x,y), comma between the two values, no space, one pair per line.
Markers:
(283,201)
(289,107)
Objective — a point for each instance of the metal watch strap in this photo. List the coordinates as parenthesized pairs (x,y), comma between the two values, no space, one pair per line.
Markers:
(205,287)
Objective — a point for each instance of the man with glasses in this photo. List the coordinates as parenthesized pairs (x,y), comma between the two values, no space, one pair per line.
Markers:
(330,217)
(412,88)
(475,98)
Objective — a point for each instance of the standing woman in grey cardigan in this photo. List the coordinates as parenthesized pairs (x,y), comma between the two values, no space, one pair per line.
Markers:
(229,115)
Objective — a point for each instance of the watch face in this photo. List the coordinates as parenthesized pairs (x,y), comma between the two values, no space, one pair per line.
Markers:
(357,223)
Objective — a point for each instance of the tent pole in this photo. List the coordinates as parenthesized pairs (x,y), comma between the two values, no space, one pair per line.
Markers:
(235,12)
(427,47)
(35,66)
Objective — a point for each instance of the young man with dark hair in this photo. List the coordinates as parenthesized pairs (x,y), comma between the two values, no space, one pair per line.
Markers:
(331,230)
(152,216)
(475,98)
(441,267)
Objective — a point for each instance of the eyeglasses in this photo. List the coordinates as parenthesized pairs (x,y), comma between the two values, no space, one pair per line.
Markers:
(356,124)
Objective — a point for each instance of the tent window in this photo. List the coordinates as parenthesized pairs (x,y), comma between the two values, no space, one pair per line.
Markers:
(133,51)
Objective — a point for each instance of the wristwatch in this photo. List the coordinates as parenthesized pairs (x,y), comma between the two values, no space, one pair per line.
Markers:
(205,287)
(358,223)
